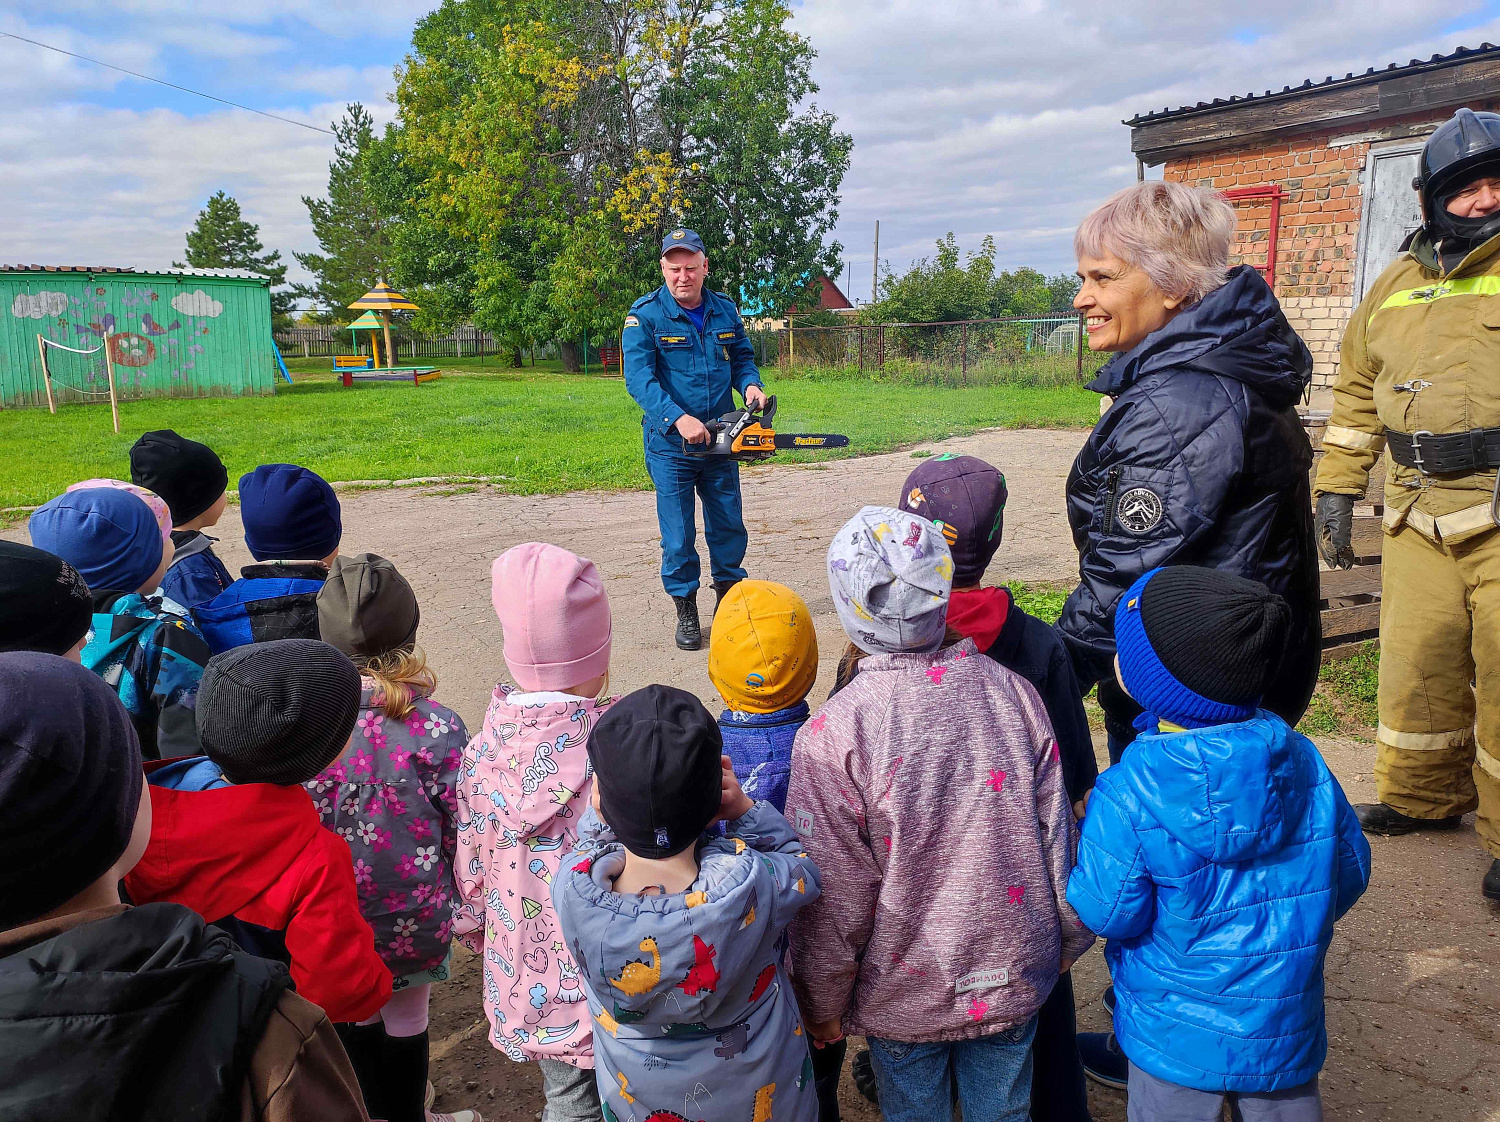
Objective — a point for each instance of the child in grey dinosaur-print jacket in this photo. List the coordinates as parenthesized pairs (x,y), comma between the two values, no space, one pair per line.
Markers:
(693,1015)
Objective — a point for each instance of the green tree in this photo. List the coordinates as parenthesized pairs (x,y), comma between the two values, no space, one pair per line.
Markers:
(353,229)
(942,288)
(560,139)
(221,238)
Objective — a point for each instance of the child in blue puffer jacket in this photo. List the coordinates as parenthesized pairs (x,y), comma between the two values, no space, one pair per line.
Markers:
(1215,858)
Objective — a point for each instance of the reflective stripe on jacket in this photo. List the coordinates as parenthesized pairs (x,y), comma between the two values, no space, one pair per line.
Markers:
(1420,354)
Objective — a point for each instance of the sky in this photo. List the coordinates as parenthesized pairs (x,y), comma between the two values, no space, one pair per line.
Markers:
(967,116)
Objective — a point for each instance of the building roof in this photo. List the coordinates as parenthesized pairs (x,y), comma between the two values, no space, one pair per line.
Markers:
(1415,66)
(101,270)
(1381,104)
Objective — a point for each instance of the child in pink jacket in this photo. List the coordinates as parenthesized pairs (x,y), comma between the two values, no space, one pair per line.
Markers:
(526,782)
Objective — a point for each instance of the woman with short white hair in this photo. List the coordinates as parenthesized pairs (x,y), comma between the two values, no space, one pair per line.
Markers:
(1200,459)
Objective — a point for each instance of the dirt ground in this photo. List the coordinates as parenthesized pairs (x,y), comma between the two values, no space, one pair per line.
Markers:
(1412,984)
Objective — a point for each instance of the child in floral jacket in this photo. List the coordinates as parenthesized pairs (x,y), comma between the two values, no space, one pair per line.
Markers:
(392,795)
(526,784)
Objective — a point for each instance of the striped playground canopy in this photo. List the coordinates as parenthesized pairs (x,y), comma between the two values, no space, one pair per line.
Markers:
(367,322)
(384,298)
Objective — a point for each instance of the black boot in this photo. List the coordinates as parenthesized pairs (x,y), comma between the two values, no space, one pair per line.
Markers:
(406,1078)
(1491,885)
(365,1046)
(1377,818)
(689,633)
(721,587)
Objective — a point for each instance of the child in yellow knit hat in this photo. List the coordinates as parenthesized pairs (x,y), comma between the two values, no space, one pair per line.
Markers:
(763,659)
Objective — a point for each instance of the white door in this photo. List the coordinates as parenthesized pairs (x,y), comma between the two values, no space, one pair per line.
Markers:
(1391,211)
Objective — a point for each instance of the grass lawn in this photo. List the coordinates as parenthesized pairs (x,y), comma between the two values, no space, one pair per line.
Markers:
(543,430)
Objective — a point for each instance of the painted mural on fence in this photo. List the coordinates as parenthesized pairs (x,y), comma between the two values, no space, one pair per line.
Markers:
(138,339)
(168,335)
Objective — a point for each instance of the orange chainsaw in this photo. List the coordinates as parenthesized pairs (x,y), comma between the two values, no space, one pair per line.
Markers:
(749,435)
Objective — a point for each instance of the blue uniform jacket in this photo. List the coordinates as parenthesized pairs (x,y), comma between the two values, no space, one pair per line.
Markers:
(672,368)
(272,600)
(759,745)
(1215,862)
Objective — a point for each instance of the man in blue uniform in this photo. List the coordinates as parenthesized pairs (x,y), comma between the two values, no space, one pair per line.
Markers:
(685,354)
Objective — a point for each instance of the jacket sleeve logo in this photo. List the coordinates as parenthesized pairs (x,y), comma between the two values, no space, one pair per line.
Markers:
(1138,510)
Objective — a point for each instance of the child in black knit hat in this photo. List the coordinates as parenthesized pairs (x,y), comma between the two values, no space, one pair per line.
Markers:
(678,936)
(192,480)
(1215,858)
(237,837)
(138,1012)
(44,603)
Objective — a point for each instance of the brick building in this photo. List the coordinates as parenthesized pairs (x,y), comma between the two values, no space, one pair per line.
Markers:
(1321,174)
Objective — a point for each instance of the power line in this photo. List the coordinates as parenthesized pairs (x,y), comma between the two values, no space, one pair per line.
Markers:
(163,82)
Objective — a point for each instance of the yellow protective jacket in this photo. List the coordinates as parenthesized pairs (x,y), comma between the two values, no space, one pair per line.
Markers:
(1421,352)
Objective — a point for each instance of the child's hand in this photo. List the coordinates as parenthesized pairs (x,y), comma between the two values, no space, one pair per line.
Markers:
(1081,807)
(1067,964)
(826,1032)
(733,802)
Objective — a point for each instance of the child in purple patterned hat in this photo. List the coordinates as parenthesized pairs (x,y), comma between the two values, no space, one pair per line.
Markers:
(392,796)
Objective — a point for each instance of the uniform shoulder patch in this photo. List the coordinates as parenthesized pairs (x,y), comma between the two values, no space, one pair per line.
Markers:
(632,321)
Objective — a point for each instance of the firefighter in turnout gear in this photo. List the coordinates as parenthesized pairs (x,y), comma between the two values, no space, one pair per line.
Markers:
(1419,377)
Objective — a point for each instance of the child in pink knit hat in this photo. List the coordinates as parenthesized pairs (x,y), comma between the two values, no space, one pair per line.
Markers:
(528,782)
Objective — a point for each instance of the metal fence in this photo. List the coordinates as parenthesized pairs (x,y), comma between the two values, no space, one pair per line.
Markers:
(1029,349)
(324,340)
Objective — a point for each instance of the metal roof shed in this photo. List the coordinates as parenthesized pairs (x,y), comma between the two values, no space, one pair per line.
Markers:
(173,333)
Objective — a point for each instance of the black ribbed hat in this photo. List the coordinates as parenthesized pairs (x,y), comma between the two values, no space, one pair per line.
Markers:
(188,476)
(656,756)
(1220,635)
(277,712)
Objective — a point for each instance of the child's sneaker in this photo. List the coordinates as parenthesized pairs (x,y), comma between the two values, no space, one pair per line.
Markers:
(1103,1062)
(458,1116)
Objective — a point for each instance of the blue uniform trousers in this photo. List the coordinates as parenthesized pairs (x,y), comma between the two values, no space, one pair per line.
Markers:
(716,480)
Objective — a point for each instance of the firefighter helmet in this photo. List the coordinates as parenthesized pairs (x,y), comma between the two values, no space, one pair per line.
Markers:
(1462,147)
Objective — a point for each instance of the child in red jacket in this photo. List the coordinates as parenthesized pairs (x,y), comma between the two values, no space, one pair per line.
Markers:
(235,835)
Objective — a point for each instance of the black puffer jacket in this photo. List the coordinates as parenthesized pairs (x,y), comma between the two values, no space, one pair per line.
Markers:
(145,1014)
(1200,461)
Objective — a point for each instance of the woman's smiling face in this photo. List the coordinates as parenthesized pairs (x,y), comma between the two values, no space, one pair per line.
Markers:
(1120,303)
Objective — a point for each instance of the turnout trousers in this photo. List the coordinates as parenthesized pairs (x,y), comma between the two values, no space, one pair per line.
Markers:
(715,480)
(1438,743)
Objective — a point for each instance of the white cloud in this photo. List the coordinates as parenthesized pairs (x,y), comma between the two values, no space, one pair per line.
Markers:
(40,305)
(982,117)
(197,303)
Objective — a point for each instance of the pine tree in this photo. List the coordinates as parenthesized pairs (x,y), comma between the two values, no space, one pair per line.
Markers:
(221,238)
(354,234)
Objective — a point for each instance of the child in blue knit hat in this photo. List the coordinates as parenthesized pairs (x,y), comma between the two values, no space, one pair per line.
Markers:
(1215,858)
(293,525)
(146,647)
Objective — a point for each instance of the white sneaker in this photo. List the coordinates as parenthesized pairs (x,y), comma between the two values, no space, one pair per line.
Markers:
(456,1116)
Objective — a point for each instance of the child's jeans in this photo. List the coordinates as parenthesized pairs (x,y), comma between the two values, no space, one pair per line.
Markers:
(992,1073)
(1156,1100)
(572,1095)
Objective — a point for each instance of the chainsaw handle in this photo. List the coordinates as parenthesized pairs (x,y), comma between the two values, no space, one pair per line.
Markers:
(767,413)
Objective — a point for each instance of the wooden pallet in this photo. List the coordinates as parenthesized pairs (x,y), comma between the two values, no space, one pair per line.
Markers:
(1350,599)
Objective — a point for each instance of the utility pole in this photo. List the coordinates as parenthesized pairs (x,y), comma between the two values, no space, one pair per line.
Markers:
(875,267)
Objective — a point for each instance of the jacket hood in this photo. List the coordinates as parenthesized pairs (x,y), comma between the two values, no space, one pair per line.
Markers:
(979,614)
(216,851)
(1227,792)
(1237,331)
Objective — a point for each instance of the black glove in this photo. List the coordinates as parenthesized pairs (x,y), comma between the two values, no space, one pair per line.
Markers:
(1334,524)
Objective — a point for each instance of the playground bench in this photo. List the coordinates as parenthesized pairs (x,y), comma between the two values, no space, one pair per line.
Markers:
(352,362)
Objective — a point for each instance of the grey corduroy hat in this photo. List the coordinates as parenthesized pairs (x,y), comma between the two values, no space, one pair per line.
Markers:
(277,712)
(891,574)
(366,608)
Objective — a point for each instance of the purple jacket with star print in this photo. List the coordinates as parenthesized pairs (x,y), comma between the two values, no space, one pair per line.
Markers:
(392,796)
(930,793)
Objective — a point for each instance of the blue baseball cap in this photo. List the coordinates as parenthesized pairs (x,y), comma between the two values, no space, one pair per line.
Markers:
(682,238)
